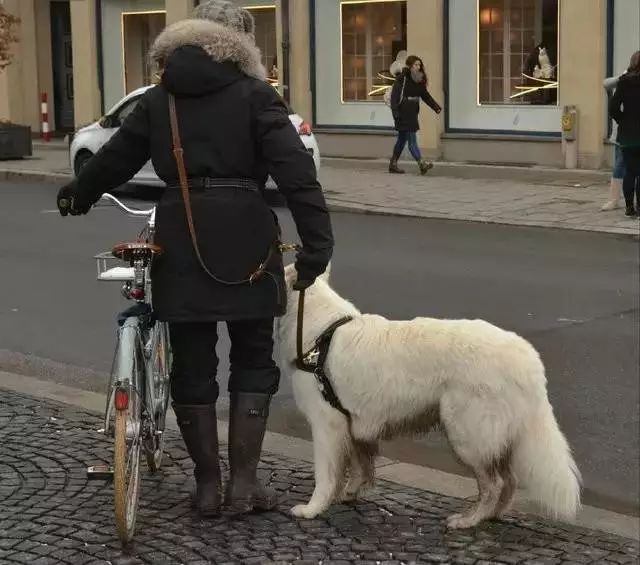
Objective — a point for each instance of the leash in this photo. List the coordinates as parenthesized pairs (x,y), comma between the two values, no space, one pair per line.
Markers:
(178,154)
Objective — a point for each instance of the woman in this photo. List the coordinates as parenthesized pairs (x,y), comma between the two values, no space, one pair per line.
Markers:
(625,110)
(235,130)
(617,175)
(409,87)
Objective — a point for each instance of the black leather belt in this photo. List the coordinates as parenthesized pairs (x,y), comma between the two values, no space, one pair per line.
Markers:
(206,183)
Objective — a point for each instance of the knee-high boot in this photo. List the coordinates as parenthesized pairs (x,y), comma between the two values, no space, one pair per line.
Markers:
(247,425)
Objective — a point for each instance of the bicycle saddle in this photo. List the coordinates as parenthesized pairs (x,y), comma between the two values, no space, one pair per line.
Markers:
(134,250)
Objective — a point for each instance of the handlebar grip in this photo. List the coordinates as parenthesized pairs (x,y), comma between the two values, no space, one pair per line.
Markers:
(65,205)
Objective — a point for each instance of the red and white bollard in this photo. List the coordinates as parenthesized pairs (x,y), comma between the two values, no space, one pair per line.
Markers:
(45,134)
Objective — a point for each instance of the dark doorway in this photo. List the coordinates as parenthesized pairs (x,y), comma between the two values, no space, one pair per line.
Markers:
(62,57)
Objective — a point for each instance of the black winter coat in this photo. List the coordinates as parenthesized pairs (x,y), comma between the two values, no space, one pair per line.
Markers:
(625,109)
(233,125)
(405,101)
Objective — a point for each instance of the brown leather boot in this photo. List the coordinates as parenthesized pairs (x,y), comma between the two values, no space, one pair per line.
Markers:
(199,428)
(247,424)
(424,166)
(393,166)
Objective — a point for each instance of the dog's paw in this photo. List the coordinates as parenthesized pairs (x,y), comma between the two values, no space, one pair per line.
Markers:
(304,511)
(461,522)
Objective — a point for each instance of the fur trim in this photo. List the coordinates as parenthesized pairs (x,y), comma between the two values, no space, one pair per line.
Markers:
(221,43)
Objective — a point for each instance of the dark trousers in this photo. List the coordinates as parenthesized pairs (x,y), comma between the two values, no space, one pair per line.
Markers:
(195,363)
(631,181)
(411,138)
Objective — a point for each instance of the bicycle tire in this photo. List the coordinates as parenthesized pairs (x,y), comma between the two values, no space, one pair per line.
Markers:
(126,490)
(127,436)
(158,392)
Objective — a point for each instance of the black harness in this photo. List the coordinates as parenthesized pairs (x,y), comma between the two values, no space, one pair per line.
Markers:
(313,362)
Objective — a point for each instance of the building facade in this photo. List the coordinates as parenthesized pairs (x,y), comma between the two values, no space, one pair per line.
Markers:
(502,69)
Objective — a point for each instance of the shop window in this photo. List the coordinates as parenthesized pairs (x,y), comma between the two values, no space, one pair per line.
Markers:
(265,18)
(518,51)
(139,30)
(373,33)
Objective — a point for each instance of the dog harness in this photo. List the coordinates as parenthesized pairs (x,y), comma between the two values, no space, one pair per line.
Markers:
(313,362)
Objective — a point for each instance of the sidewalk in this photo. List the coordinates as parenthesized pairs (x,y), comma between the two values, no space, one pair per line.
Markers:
(542,197)
(51,514)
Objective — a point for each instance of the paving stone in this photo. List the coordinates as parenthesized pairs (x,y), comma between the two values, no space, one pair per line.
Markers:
(59,517)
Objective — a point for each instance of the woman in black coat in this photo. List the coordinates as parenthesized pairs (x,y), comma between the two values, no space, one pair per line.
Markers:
(625,109)
(409,88)
(235,130)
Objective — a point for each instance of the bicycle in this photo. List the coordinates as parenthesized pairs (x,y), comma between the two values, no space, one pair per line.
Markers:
(138,393)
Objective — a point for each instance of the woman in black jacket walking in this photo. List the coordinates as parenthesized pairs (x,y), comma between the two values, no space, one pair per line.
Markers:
(409,88)
(235,130)
(625,109)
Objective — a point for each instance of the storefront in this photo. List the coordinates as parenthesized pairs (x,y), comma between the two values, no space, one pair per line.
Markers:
(128,30)
(503,70)
(352,58)
(133,26)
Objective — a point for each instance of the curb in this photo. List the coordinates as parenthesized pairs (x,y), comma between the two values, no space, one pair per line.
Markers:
(36,176)
(478,170)
(405,474)
(369,209)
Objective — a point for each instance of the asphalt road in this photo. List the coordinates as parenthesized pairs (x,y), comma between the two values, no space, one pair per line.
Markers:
(574,295)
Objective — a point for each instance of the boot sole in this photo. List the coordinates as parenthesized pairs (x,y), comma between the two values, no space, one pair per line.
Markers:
(248,507)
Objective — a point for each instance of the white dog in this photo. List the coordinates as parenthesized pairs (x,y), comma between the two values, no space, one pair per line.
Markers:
(483,386)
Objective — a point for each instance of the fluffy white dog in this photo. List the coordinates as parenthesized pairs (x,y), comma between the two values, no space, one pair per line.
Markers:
(483,386)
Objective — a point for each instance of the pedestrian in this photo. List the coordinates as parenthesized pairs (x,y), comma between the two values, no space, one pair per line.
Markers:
(625,110)
(615,186)
(409,88)
(235,130)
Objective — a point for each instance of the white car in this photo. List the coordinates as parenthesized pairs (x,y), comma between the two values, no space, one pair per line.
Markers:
(85,143)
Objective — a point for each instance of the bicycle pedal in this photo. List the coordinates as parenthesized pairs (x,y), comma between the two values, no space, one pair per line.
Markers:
(100,472)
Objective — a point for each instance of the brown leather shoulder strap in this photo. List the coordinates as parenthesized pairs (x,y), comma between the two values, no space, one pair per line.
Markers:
(178,154)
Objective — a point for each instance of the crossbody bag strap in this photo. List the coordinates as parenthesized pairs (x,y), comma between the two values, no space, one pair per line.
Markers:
(178,154)
(404,82)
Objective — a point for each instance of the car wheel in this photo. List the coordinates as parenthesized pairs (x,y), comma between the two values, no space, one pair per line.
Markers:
(82,159)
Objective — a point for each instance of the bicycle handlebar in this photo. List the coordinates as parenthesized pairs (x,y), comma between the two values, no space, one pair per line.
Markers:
(131,211)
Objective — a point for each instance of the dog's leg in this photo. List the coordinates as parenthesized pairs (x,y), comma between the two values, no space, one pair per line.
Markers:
(508,492)
(489,489)
(330,446)
(362,468)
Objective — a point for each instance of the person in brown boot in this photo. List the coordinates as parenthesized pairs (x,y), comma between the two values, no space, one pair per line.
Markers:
(409,88)
(215,130)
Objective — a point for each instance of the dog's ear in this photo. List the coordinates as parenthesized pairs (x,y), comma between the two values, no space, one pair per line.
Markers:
(325,276)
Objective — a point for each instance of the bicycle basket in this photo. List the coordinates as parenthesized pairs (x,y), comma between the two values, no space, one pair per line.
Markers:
(111,269)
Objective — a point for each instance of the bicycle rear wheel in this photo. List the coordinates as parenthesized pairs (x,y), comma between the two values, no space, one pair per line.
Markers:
(127,431)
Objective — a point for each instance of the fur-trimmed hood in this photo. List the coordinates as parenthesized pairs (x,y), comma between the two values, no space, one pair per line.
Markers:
(221,44)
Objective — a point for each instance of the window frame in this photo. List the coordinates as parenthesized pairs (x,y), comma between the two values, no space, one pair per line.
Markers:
(506,55)
(368,49)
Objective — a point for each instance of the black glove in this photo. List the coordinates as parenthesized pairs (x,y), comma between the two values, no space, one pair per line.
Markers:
(72,201)
(302,284)
(310,265)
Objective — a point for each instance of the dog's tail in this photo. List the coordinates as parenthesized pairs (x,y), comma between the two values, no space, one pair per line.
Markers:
(544,466)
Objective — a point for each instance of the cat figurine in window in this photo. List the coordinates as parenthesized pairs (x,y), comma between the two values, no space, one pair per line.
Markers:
(543,69)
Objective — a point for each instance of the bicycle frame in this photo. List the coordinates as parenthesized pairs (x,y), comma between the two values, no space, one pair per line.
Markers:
(135,333)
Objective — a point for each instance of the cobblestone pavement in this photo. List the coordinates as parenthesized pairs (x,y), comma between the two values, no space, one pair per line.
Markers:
(50,513)
(528,197)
